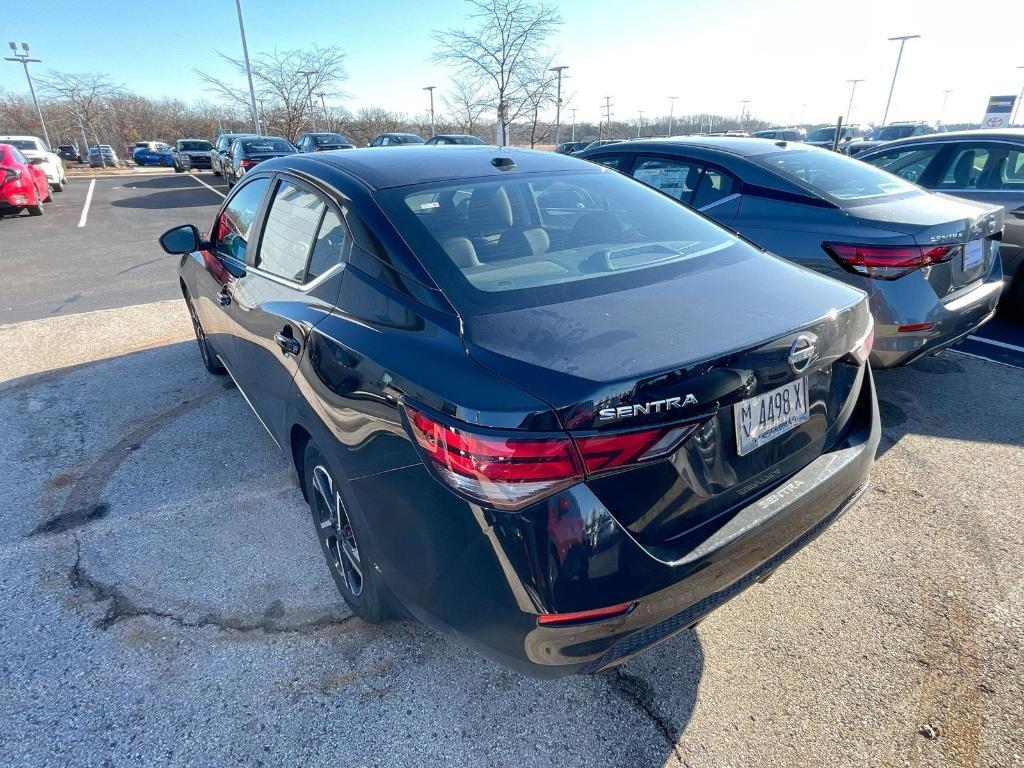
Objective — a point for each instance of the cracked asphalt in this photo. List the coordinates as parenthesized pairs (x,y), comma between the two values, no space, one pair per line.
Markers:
(164,601)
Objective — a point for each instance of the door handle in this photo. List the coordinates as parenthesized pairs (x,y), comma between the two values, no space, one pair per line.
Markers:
(288,344)
(224,297)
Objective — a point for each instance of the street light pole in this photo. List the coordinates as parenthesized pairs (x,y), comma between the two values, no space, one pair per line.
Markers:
(573,124)
(25,61)
(431,88)
(1020,98)
(639,122)
(853,90)
(942,110)
(671,112)
(558,103)
(248,69)
(743,112)
(899,56)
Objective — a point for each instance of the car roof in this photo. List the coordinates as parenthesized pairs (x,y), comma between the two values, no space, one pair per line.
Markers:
(416,163)
(21,138)
(741,146)
(978,134)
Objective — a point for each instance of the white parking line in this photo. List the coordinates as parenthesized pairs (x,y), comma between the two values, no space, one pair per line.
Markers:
(995,343)
(88,200)
(212,189)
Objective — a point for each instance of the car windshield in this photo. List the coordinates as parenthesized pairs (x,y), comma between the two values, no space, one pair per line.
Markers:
(841,179)
(540,239)
(321,139)
(892,132)
(29,144)
(464,140)
(194,146)
(255,146)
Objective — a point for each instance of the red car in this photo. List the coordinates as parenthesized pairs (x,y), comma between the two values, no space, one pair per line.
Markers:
(23,183)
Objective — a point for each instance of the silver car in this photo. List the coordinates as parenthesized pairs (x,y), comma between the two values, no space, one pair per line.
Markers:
(929,263)
(986,166)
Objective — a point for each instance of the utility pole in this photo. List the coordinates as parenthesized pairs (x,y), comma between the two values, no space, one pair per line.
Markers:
(248,69)
(639,122)
(1020,98)
(309,94)
(431,88)
(327,120)
(671,112)
(903,41)
(743,112)
(853,90)
(942,109)
(23,57)
(573,124)
(607,116)
(558,103)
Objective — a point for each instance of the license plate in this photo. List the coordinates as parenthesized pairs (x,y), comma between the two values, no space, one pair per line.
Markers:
(762,418)
(974,254)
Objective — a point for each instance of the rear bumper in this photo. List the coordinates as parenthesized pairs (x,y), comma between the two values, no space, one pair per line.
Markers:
(569,553)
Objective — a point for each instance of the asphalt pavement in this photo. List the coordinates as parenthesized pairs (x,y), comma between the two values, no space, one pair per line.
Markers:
(164,600)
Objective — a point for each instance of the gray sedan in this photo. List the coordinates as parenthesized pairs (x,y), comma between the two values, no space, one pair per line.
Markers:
(929,263)
(986,166)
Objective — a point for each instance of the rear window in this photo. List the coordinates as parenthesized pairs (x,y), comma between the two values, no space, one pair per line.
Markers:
(892,132)
(521,241)
(29,144)
(841,179)
(194,146)
(256,146)
(320,139)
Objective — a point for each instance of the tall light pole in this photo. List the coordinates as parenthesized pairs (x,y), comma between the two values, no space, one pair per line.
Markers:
(431,88)
(307,73)
(853,90)
(23,57)
(323,103)
(1020,98)
(248,69)
(942,109)
(903,41)
(743,112)
(671,112)
(573,124)
(639,122)
(558,102)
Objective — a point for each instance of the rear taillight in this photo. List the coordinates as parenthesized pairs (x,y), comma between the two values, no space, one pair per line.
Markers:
(11,174)
(886,262)
(507,471)
(583,617)
(246,163)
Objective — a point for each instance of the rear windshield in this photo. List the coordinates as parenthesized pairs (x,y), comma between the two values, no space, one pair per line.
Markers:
(321,139)
(407,138)
(463,140)
(29,144)
(892,132)
(256,146)
(529,240)
(841,179)
(194,146)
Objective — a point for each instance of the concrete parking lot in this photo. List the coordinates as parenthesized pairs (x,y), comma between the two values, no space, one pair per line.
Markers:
(164,601)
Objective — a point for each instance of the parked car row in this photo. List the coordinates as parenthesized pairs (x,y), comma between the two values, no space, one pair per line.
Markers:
(31,173)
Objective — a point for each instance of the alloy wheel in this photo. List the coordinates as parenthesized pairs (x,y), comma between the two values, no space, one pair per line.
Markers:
(335,530)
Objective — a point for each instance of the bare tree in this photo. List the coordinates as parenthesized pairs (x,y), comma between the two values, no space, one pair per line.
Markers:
(467,106)
(504,50)
(282,86)
(86,96)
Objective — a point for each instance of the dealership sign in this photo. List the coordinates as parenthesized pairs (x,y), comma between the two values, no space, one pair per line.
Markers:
(997,115)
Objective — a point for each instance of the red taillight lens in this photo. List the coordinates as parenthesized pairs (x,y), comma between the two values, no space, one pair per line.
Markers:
(11,174)
(886,262)
(505,472)
(246,163)
(510,472)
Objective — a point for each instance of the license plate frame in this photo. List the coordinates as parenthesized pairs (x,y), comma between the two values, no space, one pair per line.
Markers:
(750,437)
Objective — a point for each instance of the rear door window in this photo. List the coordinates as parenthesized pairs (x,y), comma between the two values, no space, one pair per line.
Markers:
(984,167)
(908,163)
(676,178)
(289,232)
(714,186)
(234,225)
(332,246)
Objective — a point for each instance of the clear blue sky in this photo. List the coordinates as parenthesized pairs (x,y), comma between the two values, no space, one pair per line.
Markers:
(780,55)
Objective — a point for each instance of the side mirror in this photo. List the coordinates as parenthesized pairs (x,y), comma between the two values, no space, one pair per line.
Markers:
(184,239)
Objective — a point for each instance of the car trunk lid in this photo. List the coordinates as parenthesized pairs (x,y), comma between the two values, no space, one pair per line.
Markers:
(687,350)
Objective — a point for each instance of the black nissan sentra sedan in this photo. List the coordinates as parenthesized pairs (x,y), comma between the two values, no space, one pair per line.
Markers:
(531,402)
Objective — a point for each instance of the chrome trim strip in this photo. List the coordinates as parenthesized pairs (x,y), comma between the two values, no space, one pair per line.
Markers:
(247,400)
(725,199)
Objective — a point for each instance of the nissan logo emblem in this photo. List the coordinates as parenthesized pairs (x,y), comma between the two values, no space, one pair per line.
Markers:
(802,352)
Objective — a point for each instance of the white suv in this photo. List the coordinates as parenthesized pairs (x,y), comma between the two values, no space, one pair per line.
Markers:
(31,146)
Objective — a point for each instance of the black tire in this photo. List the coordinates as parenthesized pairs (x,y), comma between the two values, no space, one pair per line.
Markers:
(59,186)
(35,210)
(341,531)
(178,170)
(49,195)
(210,361)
